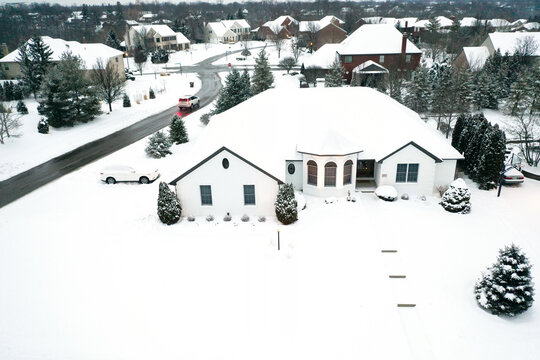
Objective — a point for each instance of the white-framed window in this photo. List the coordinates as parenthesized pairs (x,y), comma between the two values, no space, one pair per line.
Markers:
(330,170)
(206,195)
(347,172)
(381,59)
(312,172)
(347,59)
(407,173)
(249,194)
(407,58)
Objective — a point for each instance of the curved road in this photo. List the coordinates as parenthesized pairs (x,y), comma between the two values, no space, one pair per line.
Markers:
(26,182)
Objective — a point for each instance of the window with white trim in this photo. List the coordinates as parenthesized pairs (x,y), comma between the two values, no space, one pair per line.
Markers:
(407,58)
(206,195)
(312,172)
(407,173)
(381,59)
(249,194)
(330,170)
(347,59)
(347,172)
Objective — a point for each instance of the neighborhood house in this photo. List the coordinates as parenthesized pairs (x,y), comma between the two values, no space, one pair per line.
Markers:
(318,143)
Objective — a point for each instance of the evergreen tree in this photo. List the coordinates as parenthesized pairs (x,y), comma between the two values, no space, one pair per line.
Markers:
(151,94)
(246,86)
(465,135)
(458,129)
(168,208)
(21,107)
(491,160)
(507,287)
(178,133)
(286,206)
(119,13)
(2,95)
(262,76)
(334,78)
(43,126)
(8,91)
(232,94)
(433,25)
(34,60)
(457,198)
(139,56)
(473,151)
(112,40)
(126,101)
(68,96)
(418,91)
(158,145)
(521,94)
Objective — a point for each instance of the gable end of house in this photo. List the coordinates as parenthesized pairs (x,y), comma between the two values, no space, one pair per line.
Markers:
(437,160)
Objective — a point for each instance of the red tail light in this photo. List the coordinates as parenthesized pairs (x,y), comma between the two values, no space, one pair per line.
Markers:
(508,178)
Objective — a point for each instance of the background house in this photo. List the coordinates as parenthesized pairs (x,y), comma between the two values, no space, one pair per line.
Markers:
(283,27)
(227,31)
(89,53)
(315,34)
(324,147)
(510,42)
(382,44)
(151,37)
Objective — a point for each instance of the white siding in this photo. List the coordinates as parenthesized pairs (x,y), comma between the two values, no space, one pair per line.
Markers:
(227,189)
(296,179)
(320,189)
(445,173)
(408,155)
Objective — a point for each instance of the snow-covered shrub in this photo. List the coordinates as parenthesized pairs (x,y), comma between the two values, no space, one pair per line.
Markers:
(386,193)
(126,101)
(205,119)
(457,198)
(191,218)
(330,200)
(158,145)
(43,126)
(245,218)
(177,132)
(245,52)
(405,197)
(227,218)
(422,198)
(261,219)
(507,287)
(210,218)
(168,208)
(145,97)
(21,107)
(151,94)
(286,206)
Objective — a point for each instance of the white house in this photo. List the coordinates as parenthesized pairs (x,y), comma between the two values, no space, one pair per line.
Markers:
(151,37)
(512,41)
(327,142)
(227,31)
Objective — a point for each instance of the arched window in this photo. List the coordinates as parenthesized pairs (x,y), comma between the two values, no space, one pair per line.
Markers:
(347,172)
(312,172)
(330,170)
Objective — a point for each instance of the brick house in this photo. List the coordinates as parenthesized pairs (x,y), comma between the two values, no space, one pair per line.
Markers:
(382,44)
(284,27)
(325,31)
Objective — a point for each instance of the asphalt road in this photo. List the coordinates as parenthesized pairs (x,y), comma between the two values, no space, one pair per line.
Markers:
(26,182)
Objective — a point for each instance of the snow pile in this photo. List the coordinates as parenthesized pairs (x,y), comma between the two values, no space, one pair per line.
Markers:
(386,193)
(457,198)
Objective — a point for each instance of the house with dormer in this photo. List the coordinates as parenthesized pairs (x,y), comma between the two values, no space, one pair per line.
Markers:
(227,31)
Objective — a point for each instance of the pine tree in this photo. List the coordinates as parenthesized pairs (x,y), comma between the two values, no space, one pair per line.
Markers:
(286,206)
(151,94)
(507,287)
(262,76)
(168,207)
(458,129)
(245,86)
(158,145)
(126,101)
(491,160)
(472,153)
(43,126)
(334,78)
(68,96)
(119,13)
(112,40)
(21,107)
(2,95)
(457,198)
(34,60)
(232,94)
(178,133)
(521,94)
(418,91)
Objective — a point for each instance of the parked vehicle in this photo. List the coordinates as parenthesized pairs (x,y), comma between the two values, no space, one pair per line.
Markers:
(512,176)
(114,174)
(189,102)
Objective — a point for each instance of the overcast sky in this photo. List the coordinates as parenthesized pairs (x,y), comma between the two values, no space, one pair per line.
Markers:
(99,2)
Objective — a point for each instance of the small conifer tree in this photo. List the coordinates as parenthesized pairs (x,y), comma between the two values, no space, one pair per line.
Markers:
(335,76)
(21,107)
(262,76)
(43,126)
(458,129)
(168,208)
(178,133)
(286,206)
(507,287)
(158,145)
(151,94)
(457,198)
(126,101)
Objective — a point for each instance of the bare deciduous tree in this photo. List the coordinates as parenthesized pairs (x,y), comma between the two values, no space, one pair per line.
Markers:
(277,39)
(295,49)
(108,82)
(8,122)
(312,32)
(287,63)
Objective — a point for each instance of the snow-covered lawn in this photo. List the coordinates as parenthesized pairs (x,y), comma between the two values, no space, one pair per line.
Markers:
(30,148)
(89,272)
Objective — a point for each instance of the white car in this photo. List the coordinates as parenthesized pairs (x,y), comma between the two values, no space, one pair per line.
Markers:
(113,174)
(512,176)
(188,102)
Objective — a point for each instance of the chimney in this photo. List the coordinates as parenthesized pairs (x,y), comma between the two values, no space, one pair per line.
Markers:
(404,44)
(4,50)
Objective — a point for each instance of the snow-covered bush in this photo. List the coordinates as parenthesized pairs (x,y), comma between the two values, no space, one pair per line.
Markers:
(205,119)
(227,218)
(126,101)
(405,197)
(386,193)
(457,198)
(191,218)
(168,208)
(158,145)
(21,107)
(210,218)
(245,218)
(507,287)
(177,132)
(43,126)
(261,219)
(151,94)
(286,206)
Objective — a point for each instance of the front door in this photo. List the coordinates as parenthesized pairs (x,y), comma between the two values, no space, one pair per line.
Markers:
(365,169)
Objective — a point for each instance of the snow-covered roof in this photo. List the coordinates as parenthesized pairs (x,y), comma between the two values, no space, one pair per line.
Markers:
(377,125)
(518,22)
(275,25)
(318,24)
(532,26)
(89,53)
(408,20)
(476,56)
(163,30)
(181,39)
(468,21)
(331,18)
(443,22)
(364,68)
(240,22)
(376,39)
(498,23)
(323,58)
(509,41)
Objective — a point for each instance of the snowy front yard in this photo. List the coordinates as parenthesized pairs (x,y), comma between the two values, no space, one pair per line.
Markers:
(89,272)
